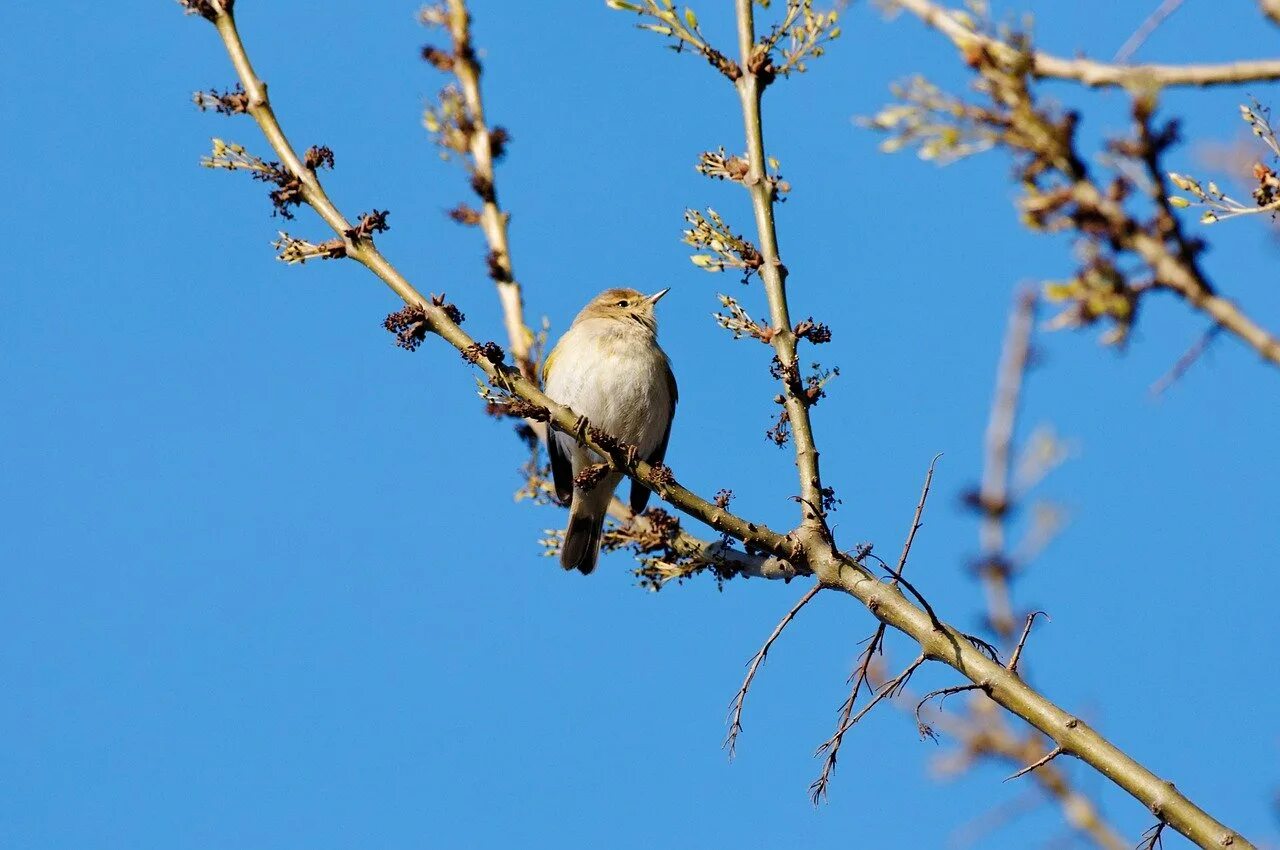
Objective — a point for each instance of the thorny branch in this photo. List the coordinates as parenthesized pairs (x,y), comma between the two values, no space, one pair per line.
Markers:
(1022,641)
(830,750)
(1040,762)
(740,699)
(888,690)
(816,551)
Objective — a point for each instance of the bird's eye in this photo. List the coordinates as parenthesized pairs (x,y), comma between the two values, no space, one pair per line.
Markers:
(624,303)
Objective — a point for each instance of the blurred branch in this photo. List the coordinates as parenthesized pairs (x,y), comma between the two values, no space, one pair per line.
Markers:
(1145,29)
(956,26)
(1188,359)
(937,641)
(1061,194)
(993,495)
(983,732)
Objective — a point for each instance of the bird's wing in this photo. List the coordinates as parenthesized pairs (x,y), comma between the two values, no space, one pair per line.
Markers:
(561,464)
(561,468)
(639,492)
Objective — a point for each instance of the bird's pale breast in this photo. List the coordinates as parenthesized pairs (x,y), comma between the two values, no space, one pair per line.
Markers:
(616,377)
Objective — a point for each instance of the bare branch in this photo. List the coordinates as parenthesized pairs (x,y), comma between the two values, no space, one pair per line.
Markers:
(1022,641)
(1184,363)
(859,677)
(1096,74)
(818,790)
(862,669)
(915,520)
(1048,757)
(740,700)
(926,731)
(1145,29)
(1153,837)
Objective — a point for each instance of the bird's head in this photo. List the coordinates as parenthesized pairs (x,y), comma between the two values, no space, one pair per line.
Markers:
(624,305)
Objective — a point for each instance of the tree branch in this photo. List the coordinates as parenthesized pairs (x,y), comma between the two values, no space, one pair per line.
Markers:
(1040,762)
(862,670)
(773,273)
(1148,26)
(835,569)
(993,496)
(1271,8)
(1178,273)
(1087,71)
(1062,195)
(493,220)
(740,699)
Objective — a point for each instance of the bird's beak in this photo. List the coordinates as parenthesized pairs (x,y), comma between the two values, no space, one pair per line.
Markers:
(657,296)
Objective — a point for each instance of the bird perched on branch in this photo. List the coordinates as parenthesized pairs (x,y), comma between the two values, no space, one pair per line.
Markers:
(609,369)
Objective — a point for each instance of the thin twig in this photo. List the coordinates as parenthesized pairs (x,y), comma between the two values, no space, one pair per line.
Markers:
(915,519)
(1041,762)
(1153,837)
(862,669)
(924,603)
(740,700)
(1145,29)
(1087,71)
(859,677)
(1184,363)
(889,689)
(942,693)
(1022,641)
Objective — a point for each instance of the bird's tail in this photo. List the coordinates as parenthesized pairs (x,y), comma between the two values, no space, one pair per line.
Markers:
(582,539)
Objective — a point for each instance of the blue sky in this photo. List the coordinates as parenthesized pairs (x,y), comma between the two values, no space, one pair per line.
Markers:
(265,584)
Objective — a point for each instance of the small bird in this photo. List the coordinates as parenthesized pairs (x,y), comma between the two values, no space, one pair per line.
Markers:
(609,369)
